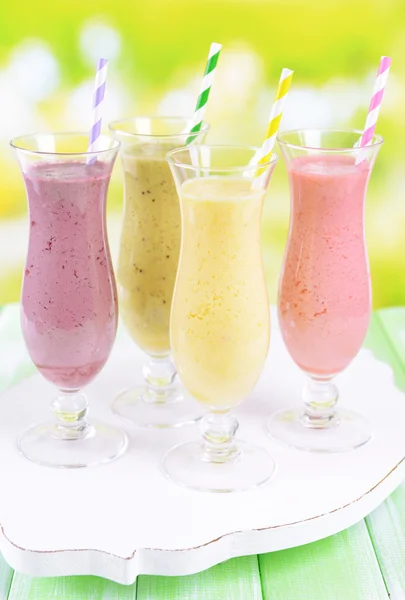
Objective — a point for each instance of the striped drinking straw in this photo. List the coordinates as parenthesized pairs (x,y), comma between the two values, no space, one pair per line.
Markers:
(205,89)
(375,105)
(98,99)
(276,115)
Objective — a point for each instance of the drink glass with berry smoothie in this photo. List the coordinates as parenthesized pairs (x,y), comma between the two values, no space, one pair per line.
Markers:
(147,265)
(69,302)
(324,304)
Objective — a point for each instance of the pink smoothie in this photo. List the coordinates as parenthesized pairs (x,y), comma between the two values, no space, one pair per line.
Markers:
(69,301)
(325,292)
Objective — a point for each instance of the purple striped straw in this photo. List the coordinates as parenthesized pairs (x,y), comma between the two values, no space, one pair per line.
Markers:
(98,99)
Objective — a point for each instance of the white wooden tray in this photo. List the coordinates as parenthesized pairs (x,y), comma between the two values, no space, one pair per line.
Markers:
(125,519)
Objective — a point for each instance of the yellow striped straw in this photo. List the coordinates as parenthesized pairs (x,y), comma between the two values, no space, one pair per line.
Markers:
(275,118)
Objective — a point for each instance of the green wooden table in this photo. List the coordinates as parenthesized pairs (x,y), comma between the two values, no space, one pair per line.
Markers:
(365,562)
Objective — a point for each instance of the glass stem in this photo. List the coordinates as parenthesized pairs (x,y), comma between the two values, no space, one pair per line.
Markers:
(218,430)
(159,374)
(320,399)
(70,410)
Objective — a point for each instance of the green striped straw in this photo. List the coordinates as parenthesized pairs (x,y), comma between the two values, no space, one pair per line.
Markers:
(206,84)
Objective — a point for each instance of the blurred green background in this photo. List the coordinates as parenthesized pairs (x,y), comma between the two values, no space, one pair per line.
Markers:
(157,51)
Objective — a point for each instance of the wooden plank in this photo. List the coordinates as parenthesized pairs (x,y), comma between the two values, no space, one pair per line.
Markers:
(386,524)
(6,575)
(379,340)
(387,531)
(392,321)
(236,579)
(340,567)
(68,588)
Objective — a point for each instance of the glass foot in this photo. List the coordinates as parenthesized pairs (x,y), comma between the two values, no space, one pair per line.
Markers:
(187,465)
(346,431)
(173,410)
(98,443)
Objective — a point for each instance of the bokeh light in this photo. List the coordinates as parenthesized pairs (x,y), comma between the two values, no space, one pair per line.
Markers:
(157,52)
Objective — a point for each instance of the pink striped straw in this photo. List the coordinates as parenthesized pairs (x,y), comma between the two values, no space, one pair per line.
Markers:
(375,105)
(98,99)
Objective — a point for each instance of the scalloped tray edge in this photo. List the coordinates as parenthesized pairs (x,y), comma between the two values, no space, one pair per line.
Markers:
(187,561)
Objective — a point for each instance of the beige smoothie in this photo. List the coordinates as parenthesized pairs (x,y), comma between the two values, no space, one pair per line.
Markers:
(220,323)
(150,245)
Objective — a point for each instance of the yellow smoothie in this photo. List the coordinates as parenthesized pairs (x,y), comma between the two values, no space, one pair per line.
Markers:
(150,246)
(220,324)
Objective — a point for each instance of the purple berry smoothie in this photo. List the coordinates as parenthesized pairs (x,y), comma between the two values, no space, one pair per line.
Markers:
(69,300)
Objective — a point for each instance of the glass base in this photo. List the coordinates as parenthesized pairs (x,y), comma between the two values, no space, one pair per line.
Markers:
(174,410)
(346,431)
(99,443)
(186,465)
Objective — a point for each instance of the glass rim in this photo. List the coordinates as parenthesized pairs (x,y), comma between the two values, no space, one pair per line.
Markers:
(204,127)
(237,169)
(16,143)
(378,139)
